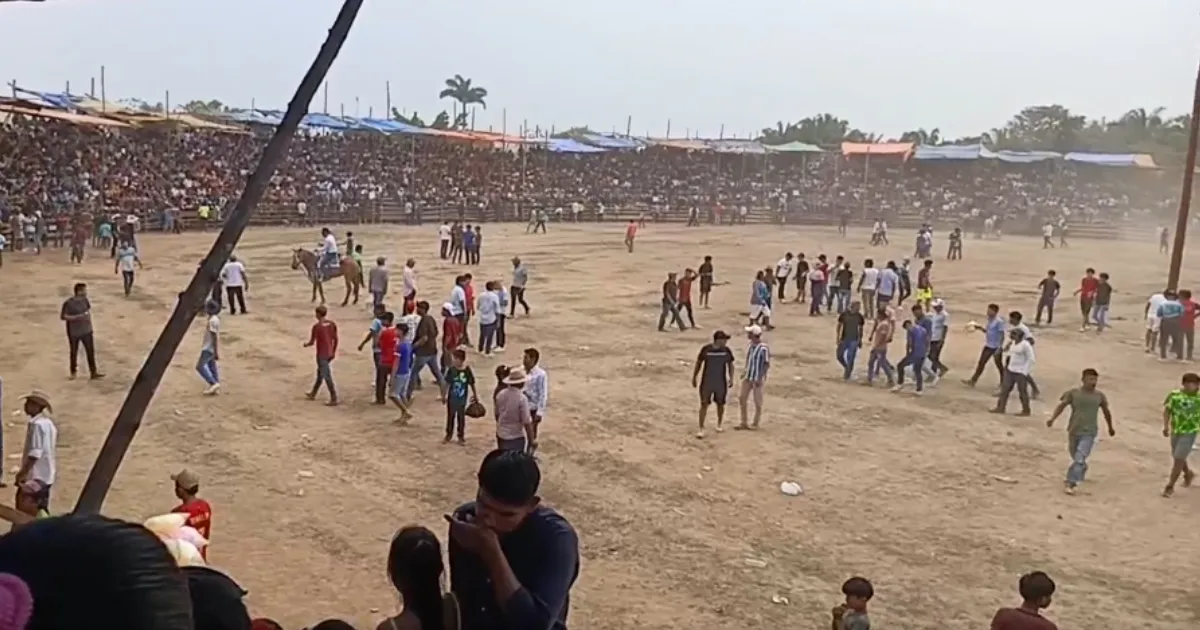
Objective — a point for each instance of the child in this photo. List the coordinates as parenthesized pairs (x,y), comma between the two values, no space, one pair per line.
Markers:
(415,569)
(459,381)
(1036,590)
(853,614)
(402,372)
(1181,423)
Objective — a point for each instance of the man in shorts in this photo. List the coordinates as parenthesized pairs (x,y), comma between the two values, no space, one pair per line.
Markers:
(1181,422)
(714,373)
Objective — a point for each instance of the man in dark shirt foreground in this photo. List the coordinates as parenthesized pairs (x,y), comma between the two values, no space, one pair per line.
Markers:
(512,560)
(1037,590)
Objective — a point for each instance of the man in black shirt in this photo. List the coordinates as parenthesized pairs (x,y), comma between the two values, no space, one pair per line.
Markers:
(716,362)
(512,560)
(802,269)
(706,280)
(844,279)
(77,313)
(1050,288)
(849,338)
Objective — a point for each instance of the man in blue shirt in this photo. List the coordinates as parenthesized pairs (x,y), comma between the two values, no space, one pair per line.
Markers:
(404,366)
(993,345)
(468,244)
(918,350)
(513,561)
(1170,332)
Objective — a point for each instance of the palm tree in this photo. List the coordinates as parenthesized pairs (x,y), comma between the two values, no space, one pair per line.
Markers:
(921,136)
(463,93)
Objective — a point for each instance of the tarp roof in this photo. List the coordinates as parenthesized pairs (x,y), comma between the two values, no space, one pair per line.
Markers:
(793,147)
(737,146)
(1018,157)
(605,141)
(80,119)
(881,148)
(567,145)
(1139,160)
(947,152)
(690,145)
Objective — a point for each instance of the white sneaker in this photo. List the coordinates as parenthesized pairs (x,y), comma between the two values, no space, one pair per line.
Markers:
(213,389)
(498,349)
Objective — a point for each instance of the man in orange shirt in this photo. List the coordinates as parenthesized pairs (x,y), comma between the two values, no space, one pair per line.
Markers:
(187,487)
(630,233)
(685,294)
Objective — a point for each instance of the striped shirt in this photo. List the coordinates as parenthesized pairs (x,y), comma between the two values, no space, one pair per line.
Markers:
(758,359)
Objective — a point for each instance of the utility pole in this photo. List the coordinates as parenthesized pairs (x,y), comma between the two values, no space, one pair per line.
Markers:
(1185,196)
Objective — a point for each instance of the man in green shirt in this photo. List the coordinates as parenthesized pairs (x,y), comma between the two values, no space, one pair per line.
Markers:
(1086,403)
(1181,422)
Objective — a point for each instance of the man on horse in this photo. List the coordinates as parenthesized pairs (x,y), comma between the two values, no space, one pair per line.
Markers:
(330,258)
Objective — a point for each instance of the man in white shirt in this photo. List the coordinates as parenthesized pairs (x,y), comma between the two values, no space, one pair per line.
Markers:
(783,269)
(301,213)
(1153,323)
(866,285)
(39,461)
(444,240)
(536,391)
(1047,233)
(488,310)
(458,298)
(1017,373)
(233,274)
(410,280)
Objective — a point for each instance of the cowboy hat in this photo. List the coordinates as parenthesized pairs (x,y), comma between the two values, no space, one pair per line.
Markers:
(39,396)
(515,377)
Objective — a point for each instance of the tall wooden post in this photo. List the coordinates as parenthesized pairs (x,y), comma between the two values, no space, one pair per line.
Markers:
(1185,195)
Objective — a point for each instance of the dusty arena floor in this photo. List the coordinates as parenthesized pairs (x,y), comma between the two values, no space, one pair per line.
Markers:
(939,503)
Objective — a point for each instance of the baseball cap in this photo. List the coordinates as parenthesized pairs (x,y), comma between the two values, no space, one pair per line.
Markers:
(720,334)
(186,479)
(755,330)
(938,302)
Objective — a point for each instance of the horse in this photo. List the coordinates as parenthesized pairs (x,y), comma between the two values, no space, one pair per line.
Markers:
(347,269)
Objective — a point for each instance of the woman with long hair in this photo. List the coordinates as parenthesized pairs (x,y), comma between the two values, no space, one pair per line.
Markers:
(415,569)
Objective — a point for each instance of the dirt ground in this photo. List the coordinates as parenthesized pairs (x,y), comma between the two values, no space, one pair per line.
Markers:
(901,490)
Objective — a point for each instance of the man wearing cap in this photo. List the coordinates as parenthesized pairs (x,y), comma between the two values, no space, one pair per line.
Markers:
(758,362)
(39,459)
(514,421)
(716,362)
(199,512)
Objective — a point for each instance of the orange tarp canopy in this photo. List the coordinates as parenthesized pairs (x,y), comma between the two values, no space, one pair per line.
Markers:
(79,119)
(882,148)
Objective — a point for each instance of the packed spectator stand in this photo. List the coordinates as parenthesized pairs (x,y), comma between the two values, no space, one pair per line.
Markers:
(60,163)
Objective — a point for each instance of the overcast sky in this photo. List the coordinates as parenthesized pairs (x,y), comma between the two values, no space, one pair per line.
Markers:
(887,65)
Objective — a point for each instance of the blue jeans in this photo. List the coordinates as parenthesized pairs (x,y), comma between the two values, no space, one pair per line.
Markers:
(376,298)
(328,263)
(1100,316)
(847,352)
(818,296)
(324,375)
(430,362)
(207,367)
(878,361)
(843,300)
(487,335)
(917,363)
(1080,447)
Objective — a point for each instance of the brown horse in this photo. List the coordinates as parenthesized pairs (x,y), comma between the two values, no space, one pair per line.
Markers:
(347,270)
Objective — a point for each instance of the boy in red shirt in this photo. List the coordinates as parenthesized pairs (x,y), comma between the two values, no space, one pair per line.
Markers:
(1087,295)
(1188,325)
(388,338)
(452,335)
(630,233)
(468,309)
(324,336)
(187,487)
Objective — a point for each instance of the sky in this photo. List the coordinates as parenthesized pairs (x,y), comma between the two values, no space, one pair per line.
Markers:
(963,66)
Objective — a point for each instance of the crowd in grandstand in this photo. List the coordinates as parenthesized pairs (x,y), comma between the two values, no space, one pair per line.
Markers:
(58,167)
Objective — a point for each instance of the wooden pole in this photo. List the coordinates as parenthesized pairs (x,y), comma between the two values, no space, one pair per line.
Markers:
(387,89)
(129,418)
(1185,196)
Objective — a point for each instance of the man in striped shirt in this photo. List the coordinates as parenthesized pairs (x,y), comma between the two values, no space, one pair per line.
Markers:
(758,362)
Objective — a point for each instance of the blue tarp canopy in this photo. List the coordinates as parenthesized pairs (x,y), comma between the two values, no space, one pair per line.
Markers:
(390,126)
(567,145)
(325,121)
(1104,159)
(1018,157)
(947,152)
(610,142)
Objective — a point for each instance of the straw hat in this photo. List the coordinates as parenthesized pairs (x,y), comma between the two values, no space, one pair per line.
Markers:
(515,377)
(40,396)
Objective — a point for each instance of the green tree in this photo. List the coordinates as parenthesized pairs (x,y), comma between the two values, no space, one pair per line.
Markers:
(921,136)
(822,129)
(205,107)
(414,120)
(464,94)
(441,121)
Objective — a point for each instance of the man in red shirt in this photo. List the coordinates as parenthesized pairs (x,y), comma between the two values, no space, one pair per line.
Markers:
(388,338)
(1188,325)
(324,336)
(187,487)
(685,294)
(1087,295)
(1037,591)
(452,334)
(630,233)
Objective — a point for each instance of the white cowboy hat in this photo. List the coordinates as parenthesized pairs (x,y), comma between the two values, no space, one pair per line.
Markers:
(515,377)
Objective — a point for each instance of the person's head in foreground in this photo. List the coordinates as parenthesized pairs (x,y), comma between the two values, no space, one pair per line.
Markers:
(858,592)
(216,600)
(415,569)
(1037,590)
(508,485)
(91,572)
